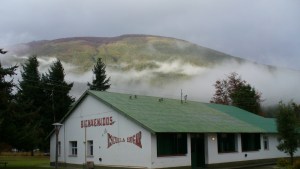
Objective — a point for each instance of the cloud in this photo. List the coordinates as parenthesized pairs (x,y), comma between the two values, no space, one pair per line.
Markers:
(275,84)
(254,30)
(249,29)
(179,67)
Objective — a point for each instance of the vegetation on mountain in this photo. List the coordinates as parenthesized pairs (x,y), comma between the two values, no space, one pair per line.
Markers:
(124,52)
(99,82)
(237,92)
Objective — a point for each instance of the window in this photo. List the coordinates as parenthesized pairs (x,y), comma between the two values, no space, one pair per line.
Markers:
(73,148)
(59,148)
(266,142)
(171,144)
(90,151)
(227,142)
(250,141)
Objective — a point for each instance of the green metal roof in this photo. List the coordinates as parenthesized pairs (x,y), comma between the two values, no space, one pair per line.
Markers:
(268,124)
(170,115)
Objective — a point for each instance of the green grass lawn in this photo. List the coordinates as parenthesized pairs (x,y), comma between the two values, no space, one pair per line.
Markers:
(20,162)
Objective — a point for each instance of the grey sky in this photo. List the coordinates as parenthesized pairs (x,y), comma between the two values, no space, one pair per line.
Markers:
(265,31)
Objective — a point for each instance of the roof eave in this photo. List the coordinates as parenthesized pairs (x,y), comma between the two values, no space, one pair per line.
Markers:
(69,112)
(120,111)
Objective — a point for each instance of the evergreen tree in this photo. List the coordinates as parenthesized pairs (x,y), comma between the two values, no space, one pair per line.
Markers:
(6,87)
(30,99)
(6,104)
(235,91)
(100,83)
(57,91)
(287,129)
(245,97)
(30,89)
(27,129)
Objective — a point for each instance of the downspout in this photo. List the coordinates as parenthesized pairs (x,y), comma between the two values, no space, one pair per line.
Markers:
(65,156)
(85,147)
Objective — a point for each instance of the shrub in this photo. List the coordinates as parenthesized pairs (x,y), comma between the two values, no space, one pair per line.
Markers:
(296,164)
(283,163)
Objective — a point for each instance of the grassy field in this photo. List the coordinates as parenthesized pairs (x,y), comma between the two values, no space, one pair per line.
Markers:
(20,162)
(42,162)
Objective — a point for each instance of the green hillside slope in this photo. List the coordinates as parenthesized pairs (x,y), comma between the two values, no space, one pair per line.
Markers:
(125,52)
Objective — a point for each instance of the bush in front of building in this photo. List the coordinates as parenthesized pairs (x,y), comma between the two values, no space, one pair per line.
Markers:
(283,163)
(296,164)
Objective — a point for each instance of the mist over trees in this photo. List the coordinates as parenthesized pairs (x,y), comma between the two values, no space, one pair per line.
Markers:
(237,92)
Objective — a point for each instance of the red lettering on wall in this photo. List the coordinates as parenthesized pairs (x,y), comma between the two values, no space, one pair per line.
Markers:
(111,121)
(103,121)
(111,140)
(135,139)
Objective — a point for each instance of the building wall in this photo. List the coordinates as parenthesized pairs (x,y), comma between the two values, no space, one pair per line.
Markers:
(214,157)
(119,142)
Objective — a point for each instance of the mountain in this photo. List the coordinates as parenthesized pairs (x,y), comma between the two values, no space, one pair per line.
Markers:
(123,52)
(155,65)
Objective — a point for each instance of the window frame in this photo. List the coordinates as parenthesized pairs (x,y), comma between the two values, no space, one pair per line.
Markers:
(230,143)
(171,144)
(266,143)
(73,149)
(90,148)
(250,142)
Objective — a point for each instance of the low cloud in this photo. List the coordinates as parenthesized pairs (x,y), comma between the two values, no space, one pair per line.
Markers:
(275,84)
(178,66)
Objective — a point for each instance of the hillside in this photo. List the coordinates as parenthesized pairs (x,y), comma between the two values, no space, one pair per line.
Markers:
(123,53)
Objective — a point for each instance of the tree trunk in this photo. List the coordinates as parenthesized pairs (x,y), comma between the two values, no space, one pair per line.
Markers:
(32,153)
(292,158)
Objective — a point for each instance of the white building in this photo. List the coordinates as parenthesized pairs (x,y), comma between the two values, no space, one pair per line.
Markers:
(122,130)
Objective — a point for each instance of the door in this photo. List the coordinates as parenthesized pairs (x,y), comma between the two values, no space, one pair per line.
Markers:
(198,150)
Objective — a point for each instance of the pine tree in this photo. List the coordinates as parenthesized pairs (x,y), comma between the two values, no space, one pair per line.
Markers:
(6,87)
(6,104)
(100,83)
(30,99)
(245,97)
(30,89)
(57,92)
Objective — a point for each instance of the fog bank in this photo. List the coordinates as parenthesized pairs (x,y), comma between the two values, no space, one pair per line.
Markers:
(275,84)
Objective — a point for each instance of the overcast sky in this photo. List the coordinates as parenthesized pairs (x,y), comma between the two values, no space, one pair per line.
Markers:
(265,31)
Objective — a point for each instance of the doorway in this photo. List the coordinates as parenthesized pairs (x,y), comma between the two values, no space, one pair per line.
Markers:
(198,150)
